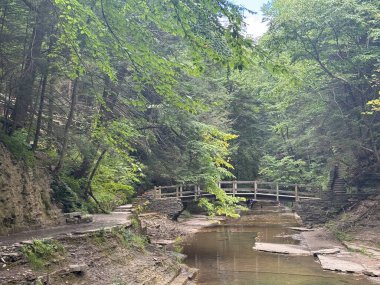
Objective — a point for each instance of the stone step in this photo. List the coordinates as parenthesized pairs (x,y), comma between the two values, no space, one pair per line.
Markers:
(124,208)
(121,211)
(128,206)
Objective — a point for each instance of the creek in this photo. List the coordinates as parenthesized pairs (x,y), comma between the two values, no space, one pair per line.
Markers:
(224,255)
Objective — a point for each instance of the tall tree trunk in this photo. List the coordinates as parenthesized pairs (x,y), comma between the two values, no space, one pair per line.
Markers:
(33,112)
(24,92)
(39,116)
(50,116)
(67,126)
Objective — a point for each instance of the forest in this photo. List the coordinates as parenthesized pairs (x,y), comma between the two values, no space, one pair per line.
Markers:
(118,96)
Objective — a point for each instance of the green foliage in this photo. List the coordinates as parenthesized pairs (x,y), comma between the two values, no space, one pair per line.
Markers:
(288,169)
(375,105)
(225,205)
(330,48)
(41,253)
(135,223)
(17,145)
(114,181)
(168,93)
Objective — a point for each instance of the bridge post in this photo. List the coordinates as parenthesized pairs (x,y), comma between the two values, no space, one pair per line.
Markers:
(180,191)
(195,192)
(159,192)
(255,187)
(296,193)
(177,191)
(155,192)
(277,192)
(234,188)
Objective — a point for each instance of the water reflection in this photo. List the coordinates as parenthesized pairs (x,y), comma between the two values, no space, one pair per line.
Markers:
(224,255)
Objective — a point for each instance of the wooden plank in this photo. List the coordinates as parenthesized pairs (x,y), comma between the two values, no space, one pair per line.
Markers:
(168,194)
(245,190)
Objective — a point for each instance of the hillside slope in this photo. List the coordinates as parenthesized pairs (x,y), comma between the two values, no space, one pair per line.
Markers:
(25,195)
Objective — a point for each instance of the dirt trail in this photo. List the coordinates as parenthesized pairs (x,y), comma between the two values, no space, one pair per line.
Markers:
(99,221)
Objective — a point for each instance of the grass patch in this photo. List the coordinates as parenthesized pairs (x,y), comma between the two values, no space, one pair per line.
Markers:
(41,253)
(99,238)
(360,250)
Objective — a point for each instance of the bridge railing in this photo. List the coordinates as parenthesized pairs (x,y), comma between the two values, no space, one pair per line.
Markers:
(243,188)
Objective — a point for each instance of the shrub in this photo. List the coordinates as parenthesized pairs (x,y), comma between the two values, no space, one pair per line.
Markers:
(18,146)
(131,239)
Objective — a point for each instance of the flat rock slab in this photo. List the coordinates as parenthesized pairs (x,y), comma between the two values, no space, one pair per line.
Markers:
(282,248)
(163,241)
(337,264)
(300,229)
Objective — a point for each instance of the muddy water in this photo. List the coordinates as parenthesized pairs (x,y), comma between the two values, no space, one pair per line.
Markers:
(224,254)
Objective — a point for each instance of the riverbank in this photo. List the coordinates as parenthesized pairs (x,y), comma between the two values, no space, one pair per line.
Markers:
(337,256)
(337,247)
(143,251)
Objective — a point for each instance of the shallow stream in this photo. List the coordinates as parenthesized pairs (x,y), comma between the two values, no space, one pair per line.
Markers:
(224,254)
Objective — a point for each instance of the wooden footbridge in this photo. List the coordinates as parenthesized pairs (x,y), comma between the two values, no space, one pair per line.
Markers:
(258,190)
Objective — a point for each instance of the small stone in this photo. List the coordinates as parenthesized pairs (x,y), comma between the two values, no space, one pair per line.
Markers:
(78,268)
(326,251)
(87,219)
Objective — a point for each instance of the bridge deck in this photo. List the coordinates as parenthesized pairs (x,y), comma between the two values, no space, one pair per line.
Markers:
(251,189)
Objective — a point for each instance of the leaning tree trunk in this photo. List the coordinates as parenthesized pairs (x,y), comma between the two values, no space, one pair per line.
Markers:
(88,189)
